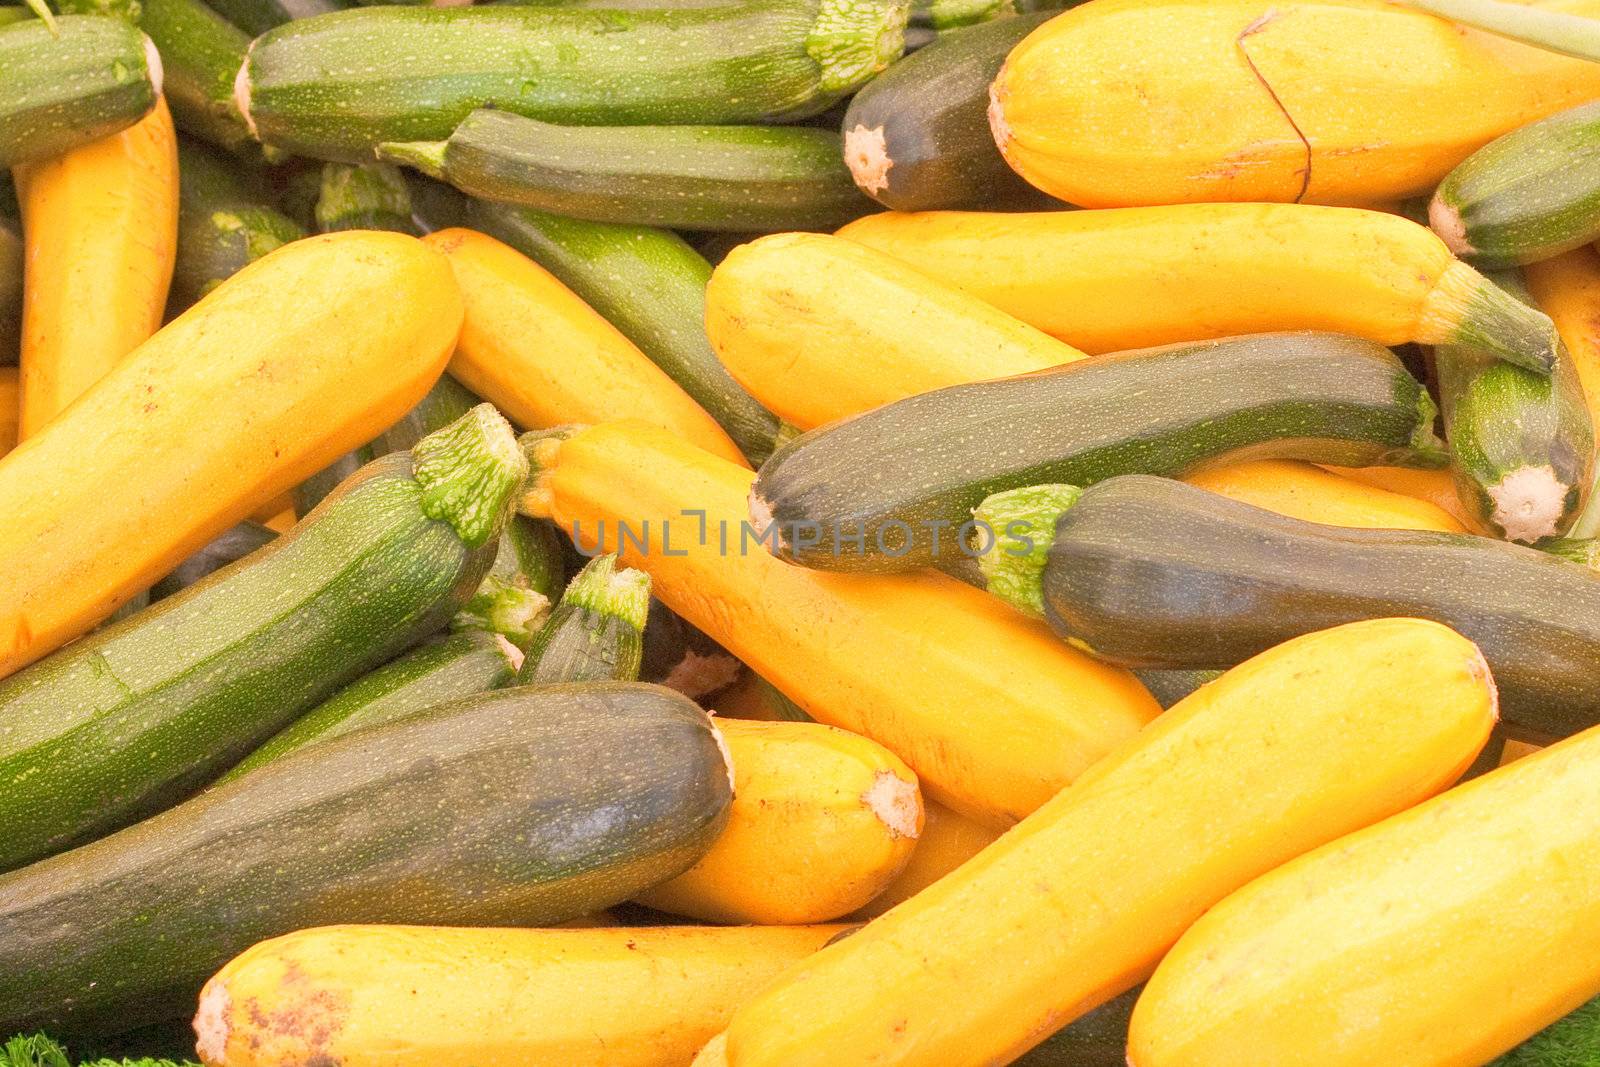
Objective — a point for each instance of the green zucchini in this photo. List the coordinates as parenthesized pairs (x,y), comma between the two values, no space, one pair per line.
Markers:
(515,596)
(517,807)
(338,85)
(893,489)
(596,633)
(364,196)
(916,138)
(679,655)
(688,177)
(256,17)
(10,290)
(1149,572)
(1096,1039)
(134,717)
(1169,687)
(1571,1041)
(88,79)
(649,284)
(232,545)
(1525,196)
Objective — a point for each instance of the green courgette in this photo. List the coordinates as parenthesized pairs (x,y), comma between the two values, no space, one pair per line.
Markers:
(892,489)
(1096,1039)
(256,17)
(88,79)
(1528,195)
(1571,1041)
(596,632)
(916,138)
(649,284)
(520,807)
(232,545)
(338,85)
(739,178)
(679,655)
(364,196)
(1169,687)
(1149,572)
(136,716)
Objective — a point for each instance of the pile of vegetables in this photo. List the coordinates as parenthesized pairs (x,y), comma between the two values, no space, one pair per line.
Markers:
(770,533)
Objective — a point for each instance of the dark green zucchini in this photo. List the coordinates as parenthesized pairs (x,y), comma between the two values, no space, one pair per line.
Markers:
(649,284)
(520,807)
(10,290)
(1571,1041)
(596,633)
(134,717)
(1149,572)
(230,546)
(256,17)
(1525,196)
(679,655)
(1169,687)
(689,177)
(916,138)
(88,79)
(364,196)
(338,85)
(893,489)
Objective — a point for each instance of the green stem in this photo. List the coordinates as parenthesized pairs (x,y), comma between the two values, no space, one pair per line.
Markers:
(1465,308)
(470,473)
(1017,527)
(364,196)
(1554,31)
(425,156)
(603,589)
(596,633)
(1582,550)
(854,39)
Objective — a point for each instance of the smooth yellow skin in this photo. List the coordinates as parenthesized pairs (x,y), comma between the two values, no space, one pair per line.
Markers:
(1108,280)
(101,231)
(414,996)
(1432,487)
(817,327)
(1567,288)
(991,711)
(948,840)
(1438,938)
(1305,491)
(256,387)
(1129,102)
(822,820)
(1306,742)
(535,350)
(10,408)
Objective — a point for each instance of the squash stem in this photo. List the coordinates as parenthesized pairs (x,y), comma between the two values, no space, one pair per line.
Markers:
(596,633)
(539,449)
(1582,550)
(1466,308)
(470,473)
(854,39)
(1554,31)
(426,156)
(1015,529)
(513,611)
(604,589)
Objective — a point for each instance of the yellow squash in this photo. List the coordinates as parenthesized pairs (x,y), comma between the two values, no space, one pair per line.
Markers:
(101,230)
(1127,102)
(1131,278)
(991,711)
(1432,487)
(534,349)
(292,362)
(1567,288)
(10,408)
(822,820)
(1304,743)
(415,996)
(1306,491)
(1438,938)
(948,840)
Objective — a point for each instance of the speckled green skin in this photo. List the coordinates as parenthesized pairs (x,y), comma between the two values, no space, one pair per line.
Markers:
(134,717)
(596,633)
(1149,572)
(223,226)
(233,544)
(60,92)
(933,458)
(364,196)
(521,807)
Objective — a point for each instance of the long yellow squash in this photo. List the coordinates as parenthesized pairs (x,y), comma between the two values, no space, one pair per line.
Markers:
(1135,277)
(1431,487)
(300,357)
(1567,288)
(101,230)
(991,711)
(1438,938)
(534,349)
(1306,491)
(414,996)
(1125,102)
(1304,743)
(948,840)
(821,821)
(10,408)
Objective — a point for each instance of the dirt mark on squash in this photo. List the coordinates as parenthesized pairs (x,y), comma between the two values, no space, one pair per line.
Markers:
(1266,18)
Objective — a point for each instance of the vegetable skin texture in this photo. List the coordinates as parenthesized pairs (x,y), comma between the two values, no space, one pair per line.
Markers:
(1306,491)
(1469,953)
(991,712)
(948,840)
(139,473)
(398,996)
(1127,102)
(101,231)
(1316,738)
(10,408)
(821,821)
(533,348)
(1431,487)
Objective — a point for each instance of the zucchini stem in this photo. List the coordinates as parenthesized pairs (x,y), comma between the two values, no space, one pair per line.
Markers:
(605,590)
(364,196)
(512,611)
(1017,527)
(1466,308)
(596,632)
(854,39)
(1554,31)
(425,156)
(1581,550)
(470,472)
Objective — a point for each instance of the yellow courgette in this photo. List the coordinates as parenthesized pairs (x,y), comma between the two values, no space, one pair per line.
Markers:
(10,408)
(1567,288)
(948,840)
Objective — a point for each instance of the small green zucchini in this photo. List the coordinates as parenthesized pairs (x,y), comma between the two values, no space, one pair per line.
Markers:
(87,79)
(917,138)
(651,285)
(1525,196)
(232,545)
(364,196)
(134,717)
(742,178)
(596,632)
(256,17)
(1150,572)
(338,85)
(893,489)
(518,807)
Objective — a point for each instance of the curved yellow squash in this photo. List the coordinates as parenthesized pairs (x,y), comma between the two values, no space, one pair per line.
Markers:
(1431,487)
(1306,491)
(534,349)
(101,231)
(1126,102)
(416,996)
(991,711)
(298,358)
(948,840)
(10,408)
(1439,938)
(1567,288)
(821,821)
(1306,742)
